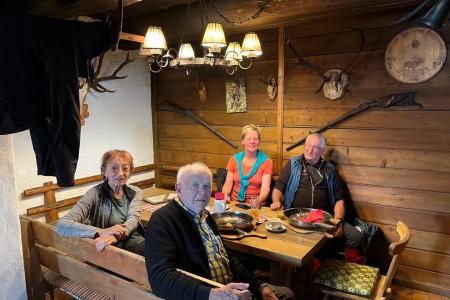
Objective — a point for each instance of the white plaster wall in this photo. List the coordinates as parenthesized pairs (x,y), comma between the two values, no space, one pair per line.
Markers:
(119,120)
(12,283)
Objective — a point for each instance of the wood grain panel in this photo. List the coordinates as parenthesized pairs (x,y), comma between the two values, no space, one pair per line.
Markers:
(418,220)
(401,198)
(420,240)
(209,146)
(268,134)
(337,42)
(415,139)
(423,280)
(216,88)
(391,118)
(168,182)
(430,261)
(254,101)
(436,98)
(259,117)
(390,158)
(429,180)
(184,157)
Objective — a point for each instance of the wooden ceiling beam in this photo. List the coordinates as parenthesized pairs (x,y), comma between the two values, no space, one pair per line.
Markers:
(174,20)
(51,8)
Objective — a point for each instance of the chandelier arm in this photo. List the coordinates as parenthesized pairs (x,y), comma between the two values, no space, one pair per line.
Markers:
(153,70)
(245,67)
(230,70)
(162,63)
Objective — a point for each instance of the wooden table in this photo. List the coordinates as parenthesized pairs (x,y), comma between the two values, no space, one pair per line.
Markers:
(287,247)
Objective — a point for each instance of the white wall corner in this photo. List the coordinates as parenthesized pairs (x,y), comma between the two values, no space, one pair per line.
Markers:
(12,285)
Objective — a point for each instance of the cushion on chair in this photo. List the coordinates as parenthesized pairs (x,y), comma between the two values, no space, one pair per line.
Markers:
(347,277)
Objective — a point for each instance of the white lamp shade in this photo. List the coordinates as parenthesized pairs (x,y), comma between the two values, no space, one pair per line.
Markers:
(214,36)
(233,51)
(186,51)
(155,40)
(251,47)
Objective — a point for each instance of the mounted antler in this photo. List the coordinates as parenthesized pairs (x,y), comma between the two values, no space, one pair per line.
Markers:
(272,87)
(335,81)
(85,85)
(95,84)
(301,61)
(340,79)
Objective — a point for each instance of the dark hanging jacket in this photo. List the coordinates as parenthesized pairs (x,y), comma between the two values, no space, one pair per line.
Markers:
(41,61)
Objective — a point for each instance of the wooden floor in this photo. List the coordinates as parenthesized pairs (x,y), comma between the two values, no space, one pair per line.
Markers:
(400,293)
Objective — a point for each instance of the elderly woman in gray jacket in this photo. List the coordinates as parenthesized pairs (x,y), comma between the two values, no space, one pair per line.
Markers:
(109,212)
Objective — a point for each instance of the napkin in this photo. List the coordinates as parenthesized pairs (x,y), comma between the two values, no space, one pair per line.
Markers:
(313,216)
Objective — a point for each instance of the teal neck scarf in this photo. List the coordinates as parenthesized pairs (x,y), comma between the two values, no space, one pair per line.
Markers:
(260,159)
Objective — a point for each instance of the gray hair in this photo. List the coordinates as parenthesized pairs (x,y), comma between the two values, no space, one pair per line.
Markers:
(323,144)
(247,128)
(193,168)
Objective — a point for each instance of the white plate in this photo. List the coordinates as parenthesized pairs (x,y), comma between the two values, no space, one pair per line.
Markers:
(269,228)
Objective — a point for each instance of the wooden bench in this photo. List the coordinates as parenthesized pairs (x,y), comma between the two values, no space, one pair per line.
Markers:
(51,206)
(74,266)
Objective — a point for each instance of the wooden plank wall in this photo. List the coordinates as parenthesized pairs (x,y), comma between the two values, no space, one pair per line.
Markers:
(395,161)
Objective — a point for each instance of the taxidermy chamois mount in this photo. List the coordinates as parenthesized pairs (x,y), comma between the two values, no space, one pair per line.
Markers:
(272,87)
(333,82)
(200,86)
(86,85)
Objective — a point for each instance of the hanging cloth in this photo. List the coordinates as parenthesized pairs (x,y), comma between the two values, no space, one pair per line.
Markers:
(260,159)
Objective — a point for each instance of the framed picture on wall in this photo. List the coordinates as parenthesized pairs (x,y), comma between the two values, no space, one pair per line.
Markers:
(236,96)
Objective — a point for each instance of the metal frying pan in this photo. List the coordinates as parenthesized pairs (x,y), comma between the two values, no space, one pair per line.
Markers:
(227,219)
(293,215)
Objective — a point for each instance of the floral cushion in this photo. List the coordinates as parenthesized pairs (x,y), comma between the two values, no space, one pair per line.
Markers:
(348,277)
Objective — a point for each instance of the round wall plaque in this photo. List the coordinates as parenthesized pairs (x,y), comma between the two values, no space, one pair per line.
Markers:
(415,55)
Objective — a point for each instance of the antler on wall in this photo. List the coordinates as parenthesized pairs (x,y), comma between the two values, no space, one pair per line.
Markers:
(84,85)
(335,81)
(95,84)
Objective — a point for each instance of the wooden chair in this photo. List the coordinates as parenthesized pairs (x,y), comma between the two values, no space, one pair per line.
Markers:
(381,289)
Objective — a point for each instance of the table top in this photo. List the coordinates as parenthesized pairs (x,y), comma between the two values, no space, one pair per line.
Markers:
(286,247)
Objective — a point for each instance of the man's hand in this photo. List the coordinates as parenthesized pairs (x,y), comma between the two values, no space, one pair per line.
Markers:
(276,206)
(267,294)
(104,241)
(231,291)
(339,230)
(119,231)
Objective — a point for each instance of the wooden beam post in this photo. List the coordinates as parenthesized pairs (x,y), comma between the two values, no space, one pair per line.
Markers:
(280,97)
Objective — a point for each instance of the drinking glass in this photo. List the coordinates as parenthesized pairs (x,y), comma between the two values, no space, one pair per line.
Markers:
(254,204)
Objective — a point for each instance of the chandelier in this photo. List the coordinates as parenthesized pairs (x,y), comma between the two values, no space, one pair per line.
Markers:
(159,56)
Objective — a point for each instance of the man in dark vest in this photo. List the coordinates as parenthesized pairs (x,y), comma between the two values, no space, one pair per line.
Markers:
(309,181)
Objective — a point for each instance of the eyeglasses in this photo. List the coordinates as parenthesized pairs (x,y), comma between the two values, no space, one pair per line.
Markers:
(116,168)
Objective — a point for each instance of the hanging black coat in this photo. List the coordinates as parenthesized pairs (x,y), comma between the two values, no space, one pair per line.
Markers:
(41,59)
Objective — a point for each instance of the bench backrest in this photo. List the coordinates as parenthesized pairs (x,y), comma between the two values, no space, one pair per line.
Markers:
(77,259)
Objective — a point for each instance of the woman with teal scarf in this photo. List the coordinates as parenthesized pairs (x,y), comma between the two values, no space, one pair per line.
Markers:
(250,171)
